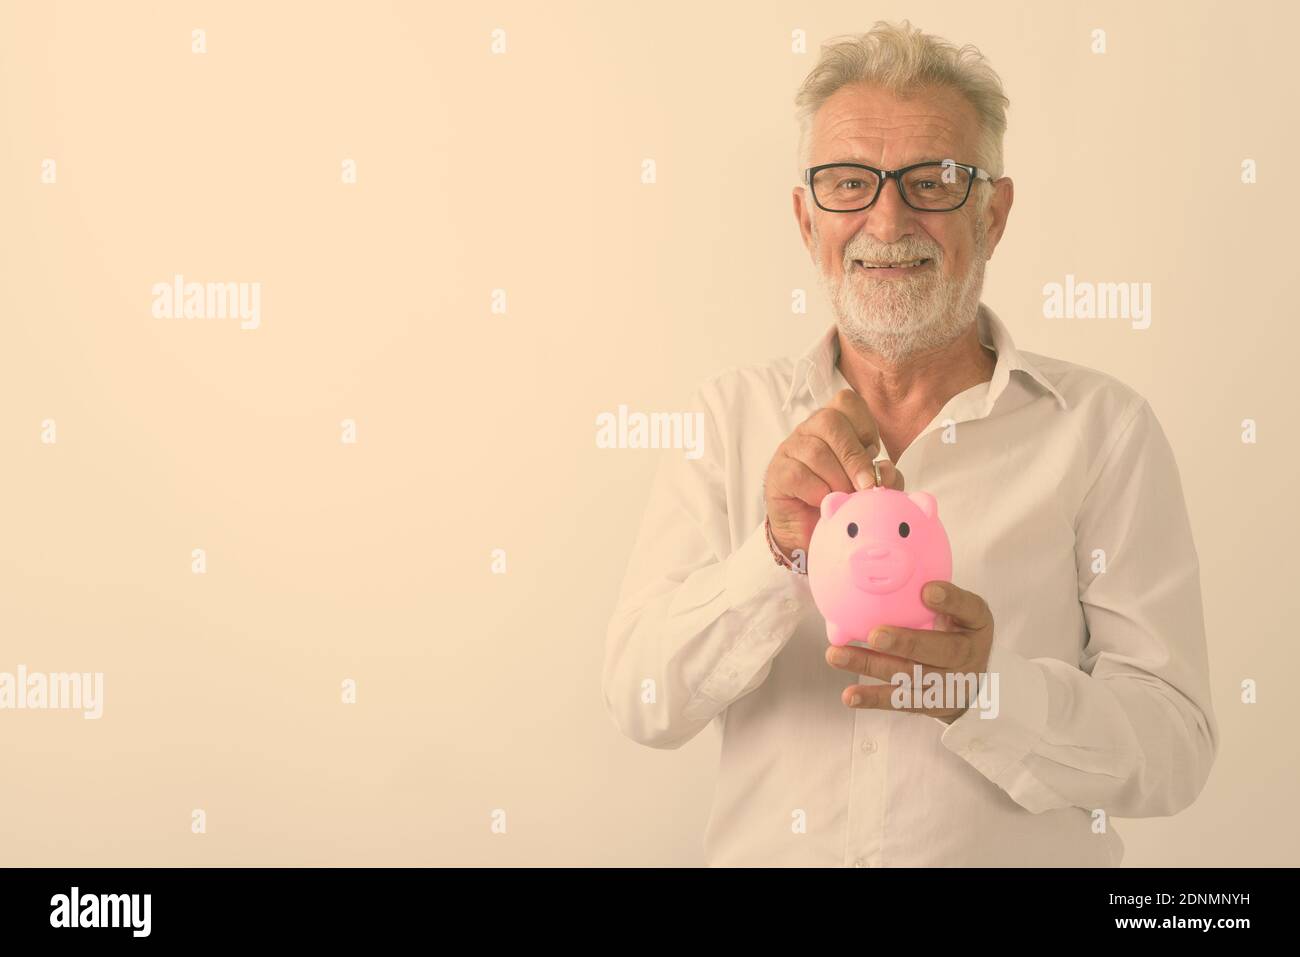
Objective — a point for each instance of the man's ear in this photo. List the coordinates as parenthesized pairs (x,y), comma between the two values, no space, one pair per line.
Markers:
(803,216)
(998,211)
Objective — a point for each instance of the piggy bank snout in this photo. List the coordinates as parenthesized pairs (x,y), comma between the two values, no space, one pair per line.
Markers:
(879,567)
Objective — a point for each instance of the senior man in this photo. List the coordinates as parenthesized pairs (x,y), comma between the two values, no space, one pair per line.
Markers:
(1075,580)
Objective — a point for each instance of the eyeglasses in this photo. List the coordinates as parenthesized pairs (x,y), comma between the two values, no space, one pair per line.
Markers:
(928,187)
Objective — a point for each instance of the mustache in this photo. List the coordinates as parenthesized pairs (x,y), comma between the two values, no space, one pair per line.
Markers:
(897,253)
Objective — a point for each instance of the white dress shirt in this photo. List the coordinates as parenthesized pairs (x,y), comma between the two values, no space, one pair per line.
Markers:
(1063,503)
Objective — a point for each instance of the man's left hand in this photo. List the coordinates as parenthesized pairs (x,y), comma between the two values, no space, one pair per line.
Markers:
(959,644)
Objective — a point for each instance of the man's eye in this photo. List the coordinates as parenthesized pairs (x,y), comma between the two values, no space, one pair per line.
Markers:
(925,184)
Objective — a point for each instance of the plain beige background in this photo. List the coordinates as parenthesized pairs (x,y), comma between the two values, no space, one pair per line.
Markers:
(475,431)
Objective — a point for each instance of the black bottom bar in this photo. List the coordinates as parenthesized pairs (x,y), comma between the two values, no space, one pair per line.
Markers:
(528,907)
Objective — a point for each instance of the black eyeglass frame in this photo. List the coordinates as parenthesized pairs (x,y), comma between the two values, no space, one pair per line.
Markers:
(882,175)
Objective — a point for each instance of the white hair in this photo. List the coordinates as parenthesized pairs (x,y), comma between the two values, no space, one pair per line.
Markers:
(902,59)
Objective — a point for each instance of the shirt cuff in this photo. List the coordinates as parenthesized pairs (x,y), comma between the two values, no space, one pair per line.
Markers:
(1007,720)
(770,600)
(752,572)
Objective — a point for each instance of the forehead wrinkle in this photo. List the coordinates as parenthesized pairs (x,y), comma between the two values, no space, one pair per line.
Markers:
(887,155)
(896,142)
(836,121)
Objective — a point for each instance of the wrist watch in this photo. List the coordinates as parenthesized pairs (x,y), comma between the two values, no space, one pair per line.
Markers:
(777,555)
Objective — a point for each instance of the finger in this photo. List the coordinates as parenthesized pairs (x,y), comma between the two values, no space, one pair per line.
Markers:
(890,477)
(878,697)
(835,429)
(813,452)
(943,650)
(791,479)
(847,658)
(965,608)
(854,408)
(906,696)
(861,661)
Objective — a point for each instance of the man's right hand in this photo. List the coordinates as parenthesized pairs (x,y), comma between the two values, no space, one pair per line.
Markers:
(830,451)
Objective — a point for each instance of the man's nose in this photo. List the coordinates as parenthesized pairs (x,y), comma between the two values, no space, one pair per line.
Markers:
(889,219)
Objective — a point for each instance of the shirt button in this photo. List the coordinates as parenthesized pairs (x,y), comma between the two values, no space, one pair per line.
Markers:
(791,604)
(859,863)
(869,745)
(975,745)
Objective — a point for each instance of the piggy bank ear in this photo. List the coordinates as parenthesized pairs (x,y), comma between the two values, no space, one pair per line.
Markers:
(924,500)
(832,502)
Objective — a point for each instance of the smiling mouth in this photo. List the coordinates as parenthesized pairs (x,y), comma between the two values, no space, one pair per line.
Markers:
(901,264)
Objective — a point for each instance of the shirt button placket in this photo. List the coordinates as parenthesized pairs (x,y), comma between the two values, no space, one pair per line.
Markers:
(866,790)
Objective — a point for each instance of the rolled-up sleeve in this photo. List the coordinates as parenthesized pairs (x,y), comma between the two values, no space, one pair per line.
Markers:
(697,621)
(1130,730)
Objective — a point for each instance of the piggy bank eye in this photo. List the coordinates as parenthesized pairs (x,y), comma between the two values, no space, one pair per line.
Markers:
(853,529)
(903,530)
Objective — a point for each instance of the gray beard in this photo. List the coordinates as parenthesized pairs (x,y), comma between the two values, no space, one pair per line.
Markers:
(897,319)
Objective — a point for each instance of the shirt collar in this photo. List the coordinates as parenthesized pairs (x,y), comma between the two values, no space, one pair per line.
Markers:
(815,369)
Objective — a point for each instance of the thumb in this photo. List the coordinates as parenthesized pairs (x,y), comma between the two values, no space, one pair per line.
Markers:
(860,469)
(890,477)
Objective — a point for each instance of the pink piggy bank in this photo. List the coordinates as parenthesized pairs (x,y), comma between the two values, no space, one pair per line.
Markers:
(869,556)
